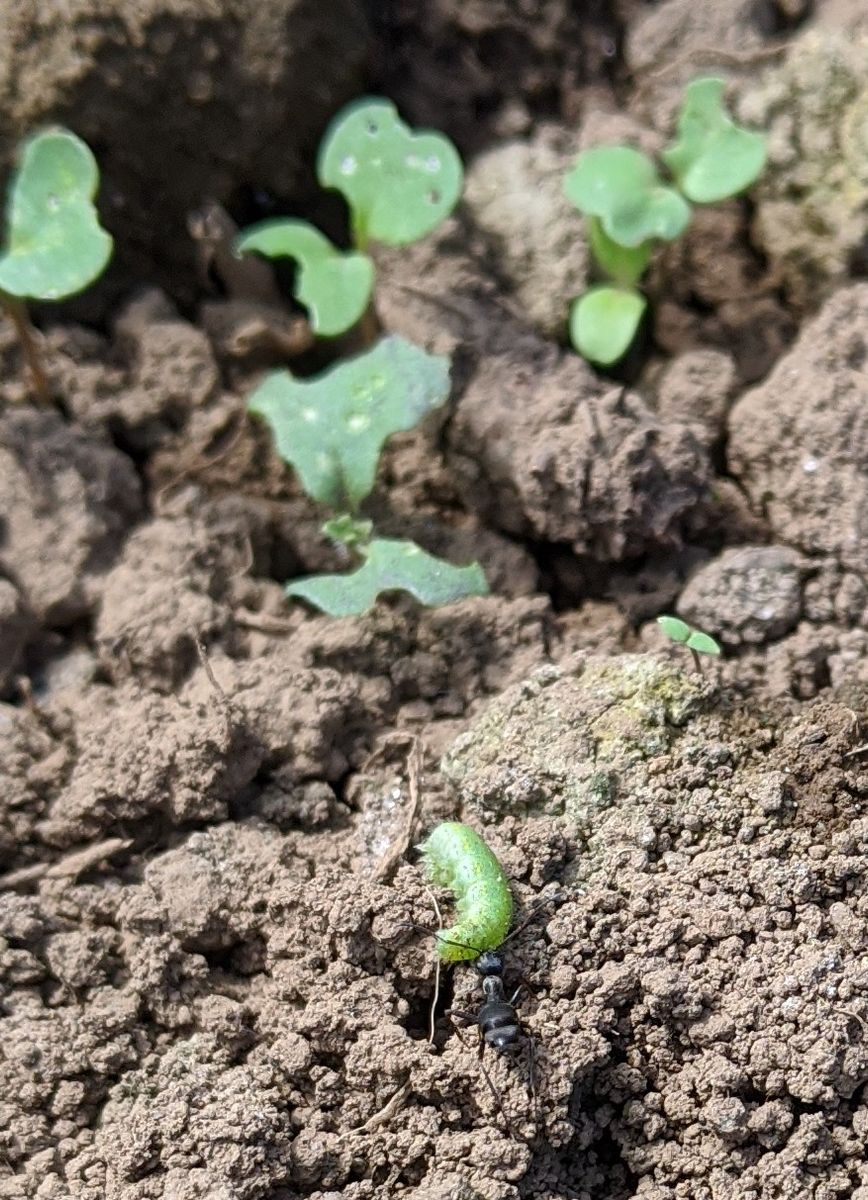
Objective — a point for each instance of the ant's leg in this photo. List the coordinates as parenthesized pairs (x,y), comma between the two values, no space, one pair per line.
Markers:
(435,933)
(494,1092)
(531,1080)
(532,911)
(416,927)
(498,1099)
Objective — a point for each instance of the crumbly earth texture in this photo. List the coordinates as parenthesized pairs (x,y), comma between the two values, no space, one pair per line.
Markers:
(216,979)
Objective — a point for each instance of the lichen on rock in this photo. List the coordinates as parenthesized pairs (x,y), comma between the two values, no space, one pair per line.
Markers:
(569,739)
(811,198)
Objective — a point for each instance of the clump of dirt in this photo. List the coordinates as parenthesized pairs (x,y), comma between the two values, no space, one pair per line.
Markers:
(796,442)
(514,193)
(749,595)
(67,499)
(811,197)
(593,724)
(160,371)
(711,288)
(538,443)
(696,390)
(244,1013)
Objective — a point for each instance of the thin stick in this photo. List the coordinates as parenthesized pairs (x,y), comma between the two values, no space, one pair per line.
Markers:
(402,843)
(436,969)
(209,671)
(18,315)
(223,702)
(388,1110)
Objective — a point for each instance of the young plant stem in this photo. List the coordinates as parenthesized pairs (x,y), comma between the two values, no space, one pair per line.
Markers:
(369,325)
(17,312)
(697,662)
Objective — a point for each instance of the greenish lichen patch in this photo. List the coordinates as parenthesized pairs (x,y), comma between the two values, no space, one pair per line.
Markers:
(810,202)
(570,740)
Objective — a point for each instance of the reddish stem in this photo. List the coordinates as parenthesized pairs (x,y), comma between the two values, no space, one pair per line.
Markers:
(18,315)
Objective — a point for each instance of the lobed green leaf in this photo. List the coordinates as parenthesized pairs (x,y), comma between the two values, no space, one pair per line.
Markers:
(331,428)
(390,566)
(55,245)
(603,322)
(712,157)
(621,187)
(333,286)
(399,184)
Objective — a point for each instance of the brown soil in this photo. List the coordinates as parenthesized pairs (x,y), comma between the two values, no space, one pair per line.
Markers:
(209,986)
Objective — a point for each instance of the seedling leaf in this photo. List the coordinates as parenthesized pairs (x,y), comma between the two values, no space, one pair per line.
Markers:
(675,628)
(712,157)
(399,184)
(347,530)
(332,427)
(603,323)
(334,287)
(682,633)
(703,643)
(390,566)
(55,245)
(621,187)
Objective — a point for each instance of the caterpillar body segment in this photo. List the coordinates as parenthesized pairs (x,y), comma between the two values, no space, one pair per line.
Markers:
(457,858)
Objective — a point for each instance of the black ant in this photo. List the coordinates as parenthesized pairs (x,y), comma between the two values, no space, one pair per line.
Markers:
(498,1022)
(497,1019)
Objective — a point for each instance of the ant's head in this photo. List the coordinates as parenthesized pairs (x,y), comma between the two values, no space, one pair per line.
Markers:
(489,963)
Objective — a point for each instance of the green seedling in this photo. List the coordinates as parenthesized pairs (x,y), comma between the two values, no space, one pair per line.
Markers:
(55,245)
(630,208)
(399,185)
(331,429)
(694,640)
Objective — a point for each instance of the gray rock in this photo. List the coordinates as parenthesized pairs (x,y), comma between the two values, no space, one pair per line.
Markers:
(745,596)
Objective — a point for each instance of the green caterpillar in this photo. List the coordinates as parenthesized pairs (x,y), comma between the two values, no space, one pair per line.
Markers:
(458,859)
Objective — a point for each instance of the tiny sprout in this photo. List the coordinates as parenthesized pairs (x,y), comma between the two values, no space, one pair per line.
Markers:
(399,184)
(349,531)
(55,245)
(331,429)
(685,635)
(629,208)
